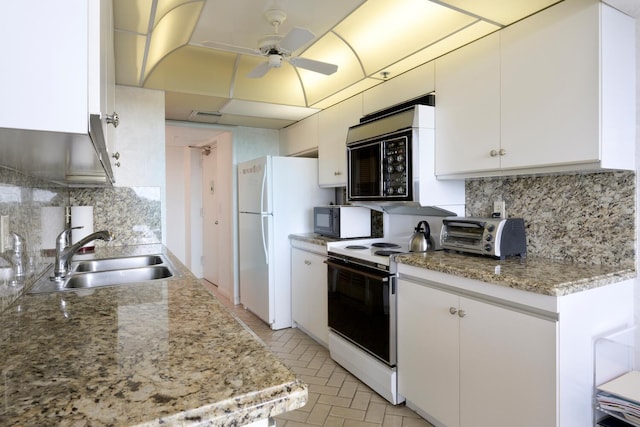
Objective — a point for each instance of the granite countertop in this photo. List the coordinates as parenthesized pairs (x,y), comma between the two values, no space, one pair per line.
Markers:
(312,238)
(539,275)
(165,352)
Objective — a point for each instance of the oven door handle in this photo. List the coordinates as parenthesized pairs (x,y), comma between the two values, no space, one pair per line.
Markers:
(383,277)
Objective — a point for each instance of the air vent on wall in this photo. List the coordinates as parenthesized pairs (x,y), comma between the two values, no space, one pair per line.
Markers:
(205,116)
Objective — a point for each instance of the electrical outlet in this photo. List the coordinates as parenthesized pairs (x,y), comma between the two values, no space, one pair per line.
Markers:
(4,233)
(499,209)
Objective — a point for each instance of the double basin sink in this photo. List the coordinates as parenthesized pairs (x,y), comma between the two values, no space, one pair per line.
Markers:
(96,273)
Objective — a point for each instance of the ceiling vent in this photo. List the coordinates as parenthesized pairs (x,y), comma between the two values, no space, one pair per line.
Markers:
(205,116)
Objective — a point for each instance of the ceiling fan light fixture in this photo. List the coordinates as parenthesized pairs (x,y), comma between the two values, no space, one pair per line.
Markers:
(275,60)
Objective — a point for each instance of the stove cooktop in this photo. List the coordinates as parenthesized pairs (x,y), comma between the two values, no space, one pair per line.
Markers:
(375,250)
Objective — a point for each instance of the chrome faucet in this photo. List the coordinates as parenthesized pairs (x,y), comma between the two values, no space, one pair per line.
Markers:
(18,255)
(64,251)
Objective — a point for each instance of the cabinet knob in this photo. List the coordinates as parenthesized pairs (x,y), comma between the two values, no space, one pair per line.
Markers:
(307,262)
(502,152)
(462,313)
(336,173)
(117,157)
(113,119)
(453,310)
(493,153)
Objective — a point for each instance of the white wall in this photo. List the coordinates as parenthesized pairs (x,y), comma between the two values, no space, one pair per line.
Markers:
(177,184)
(140,140)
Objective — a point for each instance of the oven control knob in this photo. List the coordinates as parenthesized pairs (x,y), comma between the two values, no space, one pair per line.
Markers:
(487,247)
(400,168)
(489,237)
(491,227)
(399,158)
(390,168)
(390,190)
(400,190)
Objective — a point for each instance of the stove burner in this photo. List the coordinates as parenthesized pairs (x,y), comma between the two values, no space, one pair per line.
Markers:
(385,245)
(386,253)
(355,247)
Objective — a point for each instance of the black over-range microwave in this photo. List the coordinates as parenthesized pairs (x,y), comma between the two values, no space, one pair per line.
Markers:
(383,157)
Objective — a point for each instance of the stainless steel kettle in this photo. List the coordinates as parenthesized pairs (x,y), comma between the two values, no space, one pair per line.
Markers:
(419,241)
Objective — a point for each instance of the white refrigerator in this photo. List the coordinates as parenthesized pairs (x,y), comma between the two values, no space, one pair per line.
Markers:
(276,196)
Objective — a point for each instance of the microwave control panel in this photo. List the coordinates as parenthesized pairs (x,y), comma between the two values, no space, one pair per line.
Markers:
(396,168)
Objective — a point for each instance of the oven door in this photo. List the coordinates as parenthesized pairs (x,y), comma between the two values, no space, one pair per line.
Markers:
(362,307)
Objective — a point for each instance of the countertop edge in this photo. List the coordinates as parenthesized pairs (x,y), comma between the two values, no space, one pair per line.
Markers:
(241,410)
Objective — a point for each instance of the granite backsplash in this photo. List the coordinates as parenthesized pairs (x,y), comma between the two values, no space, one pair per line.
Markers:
(132,214)
(583,217)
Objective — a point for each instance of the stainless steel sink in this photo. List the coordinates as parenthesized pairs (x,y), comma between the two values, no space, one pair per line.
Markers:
(117,277)
(103,272)
(116,263)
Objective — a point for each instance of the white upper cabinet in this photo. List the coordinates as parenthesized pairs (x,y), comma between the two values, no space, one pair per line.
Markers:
(57,83)
(468,108)
(334,122)
(566,96)
(567,88)
(56,59)
(398,89)
(300,137)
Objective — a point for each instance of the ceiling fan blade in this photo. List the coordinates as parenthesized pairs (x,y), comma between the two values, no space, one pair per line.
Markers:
(231,48)
(259,71)
(312,65)
(296,38)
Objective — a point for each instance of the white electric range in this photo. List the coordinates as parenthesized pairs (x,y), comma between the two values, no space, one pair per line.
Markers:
(362,310)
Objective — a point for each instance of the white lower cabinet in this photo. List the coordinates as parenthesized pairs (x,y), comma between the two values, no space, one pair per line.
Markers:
(309,290)
(463,362)
(476,354)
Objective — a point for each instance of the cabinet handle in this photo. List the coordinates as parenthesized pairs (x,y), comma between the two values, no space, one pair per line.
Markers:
(307,262)
(462,313)
(502,152)
(336,173)
(453,310)
(113,119)
(493,153)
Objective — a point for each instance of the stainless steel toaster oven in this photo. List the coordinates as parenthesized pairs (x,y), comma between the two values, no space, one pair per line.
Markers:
(494,237)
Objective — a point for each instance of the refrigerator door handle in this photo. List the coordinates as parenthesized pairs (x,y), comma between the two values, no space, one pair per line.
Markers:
(264,239)
(262,201)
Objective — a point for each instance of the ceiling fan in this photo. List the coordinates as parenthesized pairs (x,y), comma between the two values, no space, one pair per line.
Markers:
(277,48)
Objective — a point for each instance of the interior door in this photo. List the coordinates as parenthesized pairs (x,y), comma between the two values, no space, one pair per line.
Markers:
(210,211)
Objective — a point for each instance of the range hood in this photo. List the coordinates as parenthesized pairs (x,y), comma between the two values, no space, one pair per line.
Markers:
(69,159)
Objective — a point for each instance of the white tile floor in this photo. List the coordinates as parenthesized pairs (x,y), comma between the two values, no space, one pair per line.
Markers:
(336,398)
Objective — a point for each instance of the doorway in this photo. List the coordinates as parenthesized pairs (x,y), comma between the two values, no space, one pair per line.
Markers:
(210,211)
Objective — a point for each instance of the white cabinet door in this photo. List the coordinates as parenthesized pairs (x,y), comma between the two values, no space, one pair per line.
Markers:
(460,360)
(44,82)
(334,122)
(468,108)
(428,351)
(300,137)
(502,350)
(309,293)
(550,75)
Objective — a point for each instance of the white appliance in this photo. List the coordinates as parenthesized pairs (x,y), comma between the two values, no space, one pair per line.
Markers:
(276,196)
